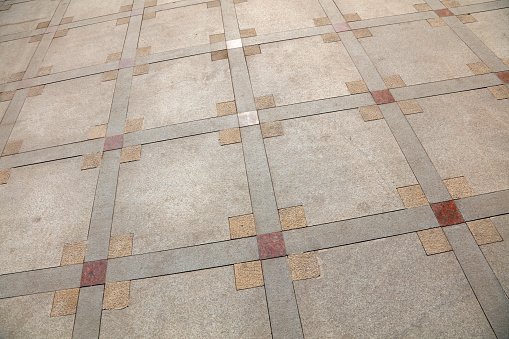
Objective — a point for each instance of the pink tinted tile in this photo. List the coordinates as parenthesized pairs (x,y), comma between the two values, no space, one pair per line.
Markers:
(271,245)
(94,273)
(137,11)
(114,142)
(447,213)
(503,76)
(124,63)
(25,83)
(248,118)
(382,97)
(51,29)
(444,12)
(341,27)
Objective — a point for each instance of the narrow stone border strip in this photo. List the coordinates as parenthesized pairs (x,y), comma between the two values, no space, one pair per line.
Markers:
(118,113)
(59,13)
(392,20)
(88,313)
(331,10)
(484,205)
(482,7)
(287,35)
(230,24)
(179,53)
(172,5)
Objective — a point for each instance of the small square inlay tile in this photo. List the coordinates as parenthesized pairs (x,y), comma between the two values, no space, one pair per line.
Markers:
(150,3)
(231,44)
(444,12)
(137,11)
(113,142)
(436,22)
(341,27)
(7,96)
(322,21)
(412,196)
(73,253)
(123,21)
(242,226)
(248,275)
(35,38)
(16,76)
(148,16)
(124,63)
(330,37)
(219,55)
(410,106)
(362,33)
(370,113)
(12,147)
(110,75)
(66,20)
(266,101)
(94,273)
(116,295)
(4,175)
(447,213)
(271,245)
(92,160)
(357,87)
(121,246)
(44,71)
(61,33)
(212,4)
(129,154)
(141,69)
(97,132)
(459,187)
(246,33)
(217,38)
(393,81)
(229,136)
(133,125)
(65,302)
(226,108)
(422,7)
(434,241)
(25,83)
(271,129)
(43,24)
(499,92)
(35,91)
(114,57)
(143,51)
(382,97)
(126,8)
(292,217)
(51,29)
(304,266)
(503,76)
(350,17)
(248,118)
(479,68)
(252,50)
(467,18)
(451,3)
(484,231)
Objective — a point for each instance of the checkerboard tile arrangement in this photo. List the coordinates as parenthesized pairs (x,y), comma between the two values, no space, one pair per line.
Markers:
(245,156)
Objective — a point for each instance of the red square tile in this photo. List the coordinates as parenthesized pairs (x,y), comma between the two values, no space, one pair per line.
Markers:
(447,213)
(382,97)
(94,273)
(503,76)
(114,142)
(341,27)
(444,12)
(271,245)
(124,63)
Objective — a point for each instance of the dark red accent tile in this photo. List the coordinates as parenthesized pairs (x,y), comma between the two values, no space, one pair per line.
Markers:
(124,63)
(503,76)
(138,11)
(447,213)
(341,27)
(271,245)
(382,97)
(94,273)
(444,12)
(114,142)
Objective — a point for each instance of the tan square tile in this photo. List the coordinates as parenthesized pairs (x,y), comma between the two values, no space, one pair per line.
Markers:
(370,113)
(412,196)
(266,101)
(351,17)
(73,253)
(5,7)
(393,81)
(292,217)
(114,57)
(110,75)
(422,7)
(304,266)
(116,295)
(322,21)
(252,50)
(150,3)
(242,226)
(143,51)
(148,16)
(356,87)
(410,106)
(219,55)
(12,147)
(330,37)
(65,302)
(34,91)
(66,20)
(451,3)
(459,187)
(92,160)
(229,136)
(212,4)
(141,69)
(467,18)
(7,96)
(226,108)
(436,22)
(499,92)
(246,33)
(16,76)
(129,154)
(44,71)
(217,38)
(271,129)
(248,275)
(4,175)
(484,231)
(36,38)
(43,24)
(479,68)
(239,1)
(133,125)
(121,246)
(434,241)
(362,33)
(61,33)
(123,21)
(97,132)
(126,8)
(506,61)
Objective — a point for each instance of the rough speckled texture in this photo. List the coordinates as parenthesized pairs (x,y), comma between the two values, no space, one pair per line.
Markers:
(242,226)
(116,295)
(412,196)
(271,245)
(248,275)
(447,213)
(73,253)
(434,241)
(484,231)
(292,217)
(65,302)
(304,266)
(120,246)
(94,273)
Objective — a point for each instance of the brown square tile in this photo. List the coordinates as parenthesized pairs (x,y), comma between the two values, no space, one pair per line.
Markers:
(12,147)
(94,273)
(141,69)
(444,12)
(304,266)
(266,101)
(357,87)
(330,37)
(503,76)
(66,20)
(370,113)
(226,108)
(459,187)
(150,3)
(422,7)
(242,226)
(35,38)
(219,55)
(447,213)
(114,57)
(499,92)
(114,142)
(129,154)
(43,24)
(148,16)
(382,97)
(410,106)
(116,295)
(229,136)
(412,196)
(212,4)
(362,33)
(121,246)
(467,18)
(292,217)
(252,50)
(248,32)
(97,132)
(271,129)
(44,71)
(133,125)
(434,241)
(73,253)
(123,21)
(16,76)
(7,96)
(322,21)
(271,245)
(450,3)
(350,17)
(143,51)
(4,175)
(61,33)
(92,160)
(436,22)
(34,91)
(217,38)
(484,231)
(65,302)
(248,275)
(110,75)
(125,8)
(479,68)
(393,81)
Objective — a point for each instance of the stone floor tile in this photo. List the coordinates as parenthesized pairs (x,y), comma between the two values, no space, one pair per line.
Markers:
(133,125)
(447,213)
(150,3)
(266,101)
(322,21)
(35,38)
(116,295)
(444,12)
(393,81)
(467,18)
(350,17)
(110,75)
(121,246)
(73,253)
(484,231)
(249,32)
(65,302)
(12,147)
(123,21)
(382,97)
(141,69)
(458,187)
(479,68)
(331,37)
(212,4)
(248,275)
(271,129)
(26,16)
(357,87)
(503,76)
(271,245)
(423,7)
(60,33)
(492,28)
(114,57)
(217,38)
(219,55)
(85,9)
(436,22)
(450,3)
(229,136)
(44,71)
(98,131)
(16,76)
(4,175)
(6,96)
(292,217)
(362,33)
(94,273)
(370,113)
(369,9)
(252,50)
(242,226)
(412,196)
(248,118)
(66,20)
(410,106)
(35,91)
(15,56)
(497,253)
(499,92)
(304,266)
(434,241)
(113,142)
(129,154)
(148,16)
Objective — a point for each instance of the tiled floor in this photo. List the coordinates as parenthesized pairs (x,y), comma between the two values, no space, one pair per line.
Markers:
(254,169)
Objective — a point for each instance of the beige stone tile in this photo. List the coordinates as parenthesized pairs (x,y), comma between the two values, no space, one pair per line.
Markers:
(226,108)
(434,241)
(451,3)
(148,16)
(459,187)
(65,302)
(97,132)
(125,8)
(123,21)
(91,160)
(35,38)
(61,33)
(133,125)
(82,10)
(212,4)
(4,175)
(479,68)
(466,18)
(110,75)
(248,275)
(271,129)
(12,147)
(436,22)
(484,231)
(370,113)
(34,91)
(229,136)
(292,217)
(143,51)
(322,21)
(219,55)
(7,96)
(43,24)
(304,266)
(66,20)
(506,61)
(16,76)
(239,1)
(217,38)
(369,9)
(499,92)
(422,7)
(350,17)
(150,3)
(121,246)
(114,57)
(412,196)
(266,101)
(248,32)
(141,69)
(116,295)
(73,253)
(15,56)
(44,71)
(242,226)
(362,33)
(393,81)
(331,37)
(356,87)
(129,154)
(409,106)
(252,50)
